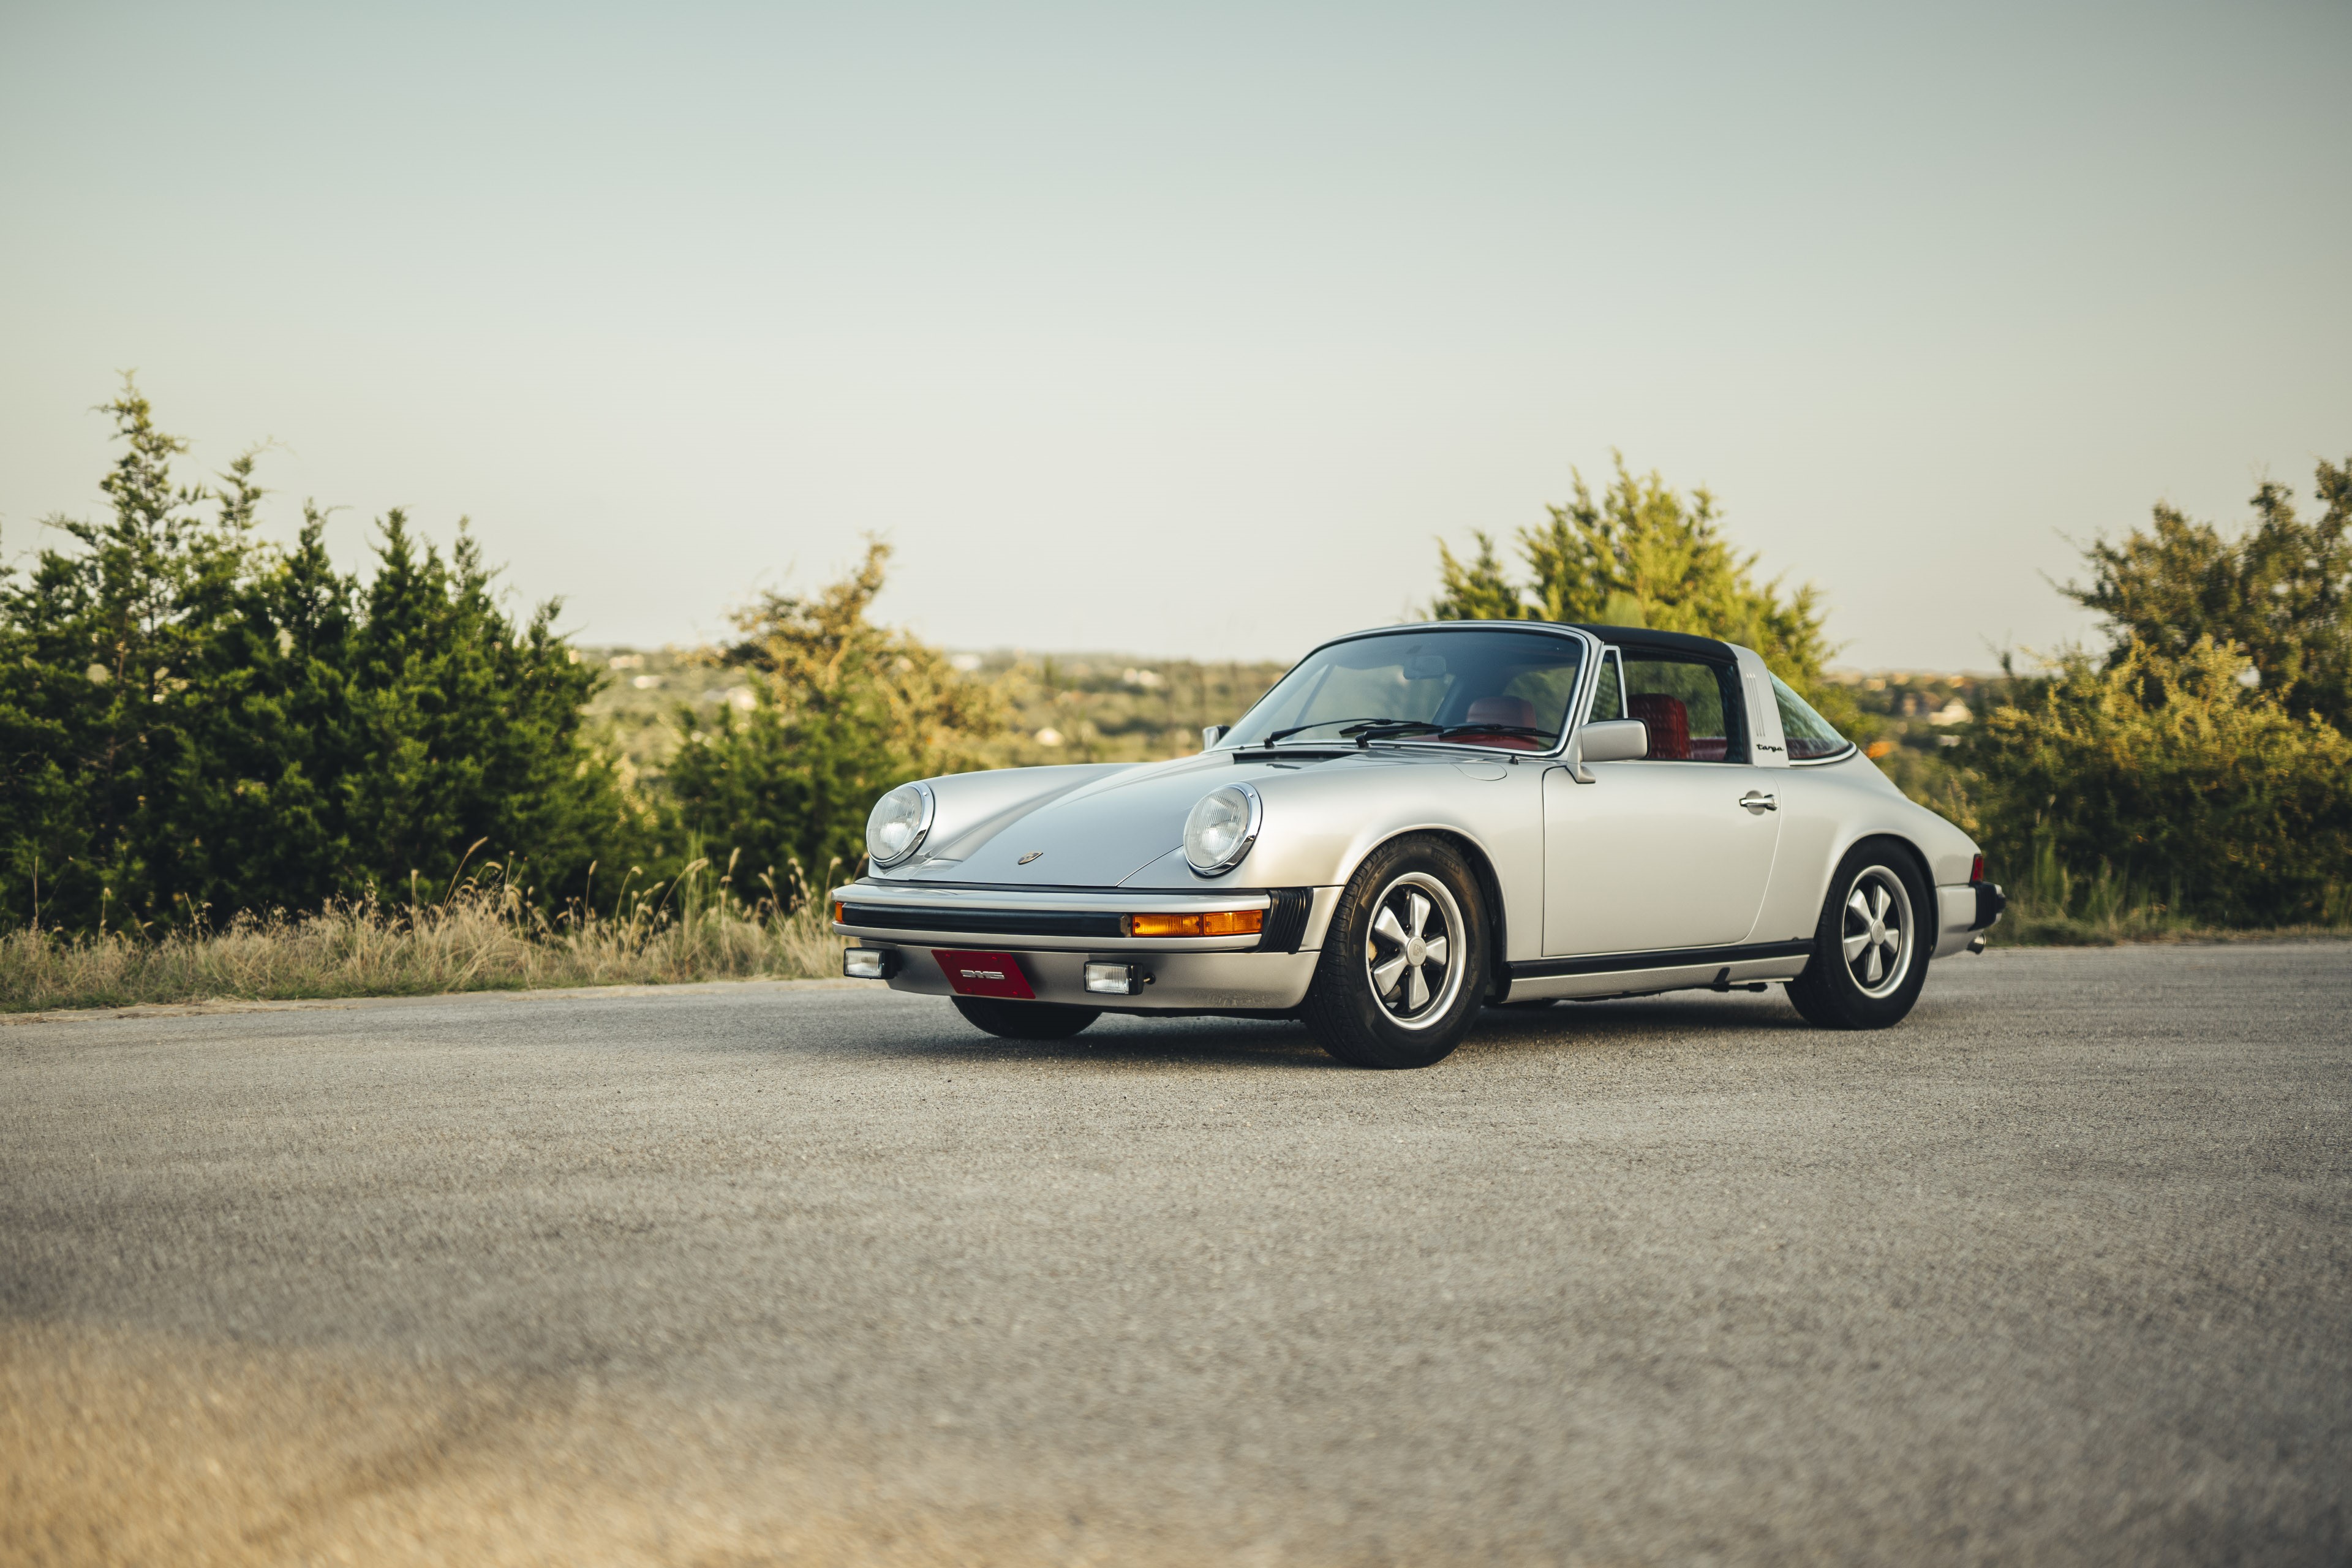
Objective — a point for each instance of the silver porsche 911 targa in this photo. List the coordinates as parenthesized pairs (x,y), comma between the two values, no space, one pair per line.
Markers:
(1420,822)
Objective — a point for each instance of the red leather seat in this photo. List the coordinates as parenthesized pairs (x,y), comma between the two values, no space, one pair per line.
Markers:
(1669,723)
(1502,710)
(1516,711)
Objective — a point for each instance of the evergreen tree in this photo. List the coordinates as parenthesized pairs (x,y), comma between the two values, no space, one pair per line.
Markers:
(106,692)
(465,727)
(194,724)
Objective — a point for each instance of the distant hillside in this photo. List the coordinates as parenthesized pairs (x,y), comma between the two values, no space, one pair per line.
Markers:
(1068,707)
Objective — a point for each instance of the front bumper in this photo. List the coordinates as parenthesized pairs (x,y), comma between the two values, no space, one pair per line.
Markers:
(1172,982)
(1051,934)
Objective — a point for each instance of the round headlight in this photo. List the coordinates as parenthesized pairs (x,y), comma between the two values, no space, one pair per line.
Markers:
(900,819)
(1222,826)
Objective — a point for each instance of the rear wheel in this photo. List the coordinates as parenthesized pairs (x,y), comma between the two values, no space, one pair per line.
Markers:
(1870,948)
(1024,1020)
(1403,970)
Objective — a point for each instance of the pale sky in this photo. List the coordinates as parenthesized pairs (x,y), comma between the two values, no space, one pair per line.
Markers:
(1187,330)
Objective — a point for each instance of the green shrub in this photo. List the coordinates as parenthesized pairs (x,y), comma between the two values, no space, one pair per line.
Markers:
(844,710)
(2280,591)
(2167,785)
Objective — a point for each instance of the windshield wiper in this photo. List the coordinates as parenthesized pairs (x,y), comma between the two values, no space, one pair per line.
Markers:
(1302,728)
(1362,730)
(1371,729)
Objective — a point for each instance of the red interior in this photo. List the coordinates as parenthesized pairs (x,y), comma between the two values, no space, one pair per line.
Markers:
(1669,723)
(1501,711)
(1670,737)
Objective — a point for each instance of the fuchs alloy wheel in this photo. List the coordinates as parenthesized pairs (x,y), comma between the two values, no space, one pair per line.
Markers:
(1024,1020)
(1403,970)
(1870,948)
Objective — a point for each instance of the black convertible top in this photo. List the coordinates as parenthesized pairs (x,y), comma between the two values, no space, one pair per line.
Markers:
(1623,636)
(1665,642)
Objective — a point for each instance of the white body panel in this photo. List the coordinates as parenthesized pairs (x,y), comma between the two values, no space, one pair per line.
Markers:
(1826,808)
(1654,855)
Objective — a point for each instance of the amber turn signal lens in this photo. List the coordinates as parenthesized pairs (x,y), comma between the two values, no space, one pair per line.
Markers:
(840,911)
(1222,922)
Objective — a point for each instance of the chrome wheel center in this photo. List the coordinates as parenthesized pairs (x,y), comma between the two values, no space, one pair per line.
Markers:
(1878,931)
(1409,951)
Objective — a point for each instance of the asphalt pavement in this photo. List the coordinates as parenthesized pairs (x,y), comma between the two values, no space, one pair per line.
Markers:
(2059,1271)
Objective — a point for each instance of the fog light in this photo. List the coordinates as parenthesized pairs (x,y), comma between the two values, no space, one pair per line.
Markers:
(1114,979)
(869,963)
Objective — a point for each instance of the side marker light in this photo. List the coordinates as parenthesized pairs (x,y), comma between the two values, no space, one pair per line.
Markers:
(1217,922)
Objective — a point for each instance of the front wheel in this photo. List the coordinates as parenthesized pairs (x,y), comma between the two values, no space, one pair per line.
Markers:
(1871,947)
(1403,970)
(1024,1020)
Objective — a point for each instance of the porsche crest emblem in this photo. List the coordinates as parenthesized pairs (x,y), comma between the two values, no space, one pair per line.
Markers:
(1026,858)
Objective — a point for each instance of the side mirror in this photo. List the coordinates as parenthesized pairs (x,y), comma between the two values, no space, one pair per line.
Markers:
(1613,740)
(1213,733)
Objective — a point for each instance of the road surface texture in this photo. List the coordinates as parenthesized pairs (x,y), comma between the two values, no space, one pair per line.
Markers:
(2060,1272)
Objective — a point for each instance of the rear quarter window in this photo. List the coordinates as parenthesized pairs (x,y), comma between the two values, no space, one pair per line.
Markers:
(1811,737)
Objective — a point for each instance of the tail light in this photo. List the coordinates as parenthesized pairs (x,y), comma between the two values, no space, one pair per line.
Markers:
(1976,869)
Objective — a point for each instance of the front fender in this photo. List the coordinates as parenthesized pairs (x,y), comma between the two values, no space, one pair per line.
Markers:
(1321,822)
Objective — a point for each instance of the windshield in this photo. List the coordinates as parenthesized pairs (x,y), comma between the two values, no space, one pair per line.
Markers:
(1475,688)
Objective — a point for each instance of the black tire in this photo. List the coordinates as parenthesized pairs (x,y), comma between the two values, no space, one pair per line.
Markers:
(1024,1020)
(1847,990)
(1346,1009)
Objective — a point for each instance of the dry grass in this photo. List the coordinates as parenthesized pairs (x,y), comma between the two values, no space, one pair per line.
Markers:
(482,937)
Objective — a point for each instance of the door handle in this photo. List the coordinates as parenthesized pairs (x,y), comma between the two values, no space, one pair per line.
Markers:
(1757,800)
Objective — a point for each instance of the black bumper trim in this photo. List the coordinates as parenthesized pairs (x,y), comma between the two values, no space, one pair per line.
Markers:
(1991,901)
(1285,928)
(1286,921)
(984,922)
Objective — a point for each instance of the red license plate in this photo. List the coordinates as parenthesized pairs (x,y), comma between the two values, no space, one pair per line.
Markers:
(984,973)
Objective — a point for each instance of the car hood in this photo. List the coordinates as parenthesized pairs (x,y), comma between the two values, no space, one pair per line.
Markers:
(1098,831)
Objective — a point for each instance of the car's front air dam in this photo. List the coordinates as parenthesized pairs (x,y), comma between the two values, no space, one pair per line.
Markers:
(1178,982)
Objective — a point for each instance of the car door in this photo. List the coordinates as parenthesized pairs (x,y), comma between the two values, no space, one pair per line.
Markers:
(1672,851)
